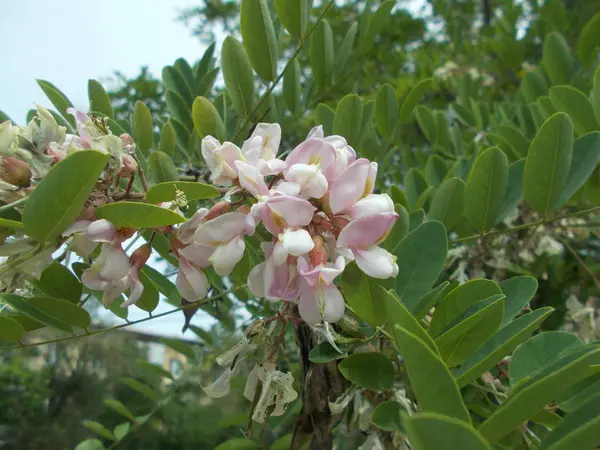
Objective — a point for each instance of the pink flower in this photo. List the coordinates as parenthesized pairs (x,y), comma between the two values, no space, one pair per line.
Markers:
(292,242)
(344,154)
(311,165)
(279,212)
(319,298)
(191,283)
(353,184)
(251,179)
(272,281)
(220,159)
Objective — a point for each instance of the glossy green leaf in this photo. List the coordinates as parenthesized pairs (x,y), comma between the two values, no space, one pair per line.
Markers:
(207,121)
(59,282)
(348,117)
(416,218)
(182,136)
(238,76)
(398,195)
(168,140)
(165,192)
(138,215)
(362,295)
(163,285)
(421,256)
(175,81)
(59,198)
(387,416)
(205,63)
(485,189)
(400,229)
(99,429)
(573,102)
(586,155)
(162,168)
(259,37)
(90,444)
(447,203)
(148,301)
(546,107)
(426,120)
(579,393)
(119,408)
(206,84)
(556,59)
(414,96)
(122,430)
(325,117)
(514,189)
(140,387)
(433,297)
(429,431)
(10,329)
(289,11)
(99,99)
(435,170)
(589,40)
(502,343)
(533,86)
(58,99)
(527,401)
(179,109)
(548,162)
(458,300)
(515,138)
(186,72)
(345,49)
(386,110)
(537,353)
(291,87)
(430,379)
(62,310)
(368,370)
(12,224)
(376,24)
(143,132)
(464,115)
(322,54)
(23,305)
(415,183)
(180,347)
(519,291)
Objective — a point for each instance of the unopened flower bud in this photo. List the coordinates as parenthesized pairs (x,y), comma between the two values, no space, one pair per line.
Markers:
(244,209)
(15,172)
(126,140)
(130,166)
(220,208)
(126,232)
(139,257)
(319,254)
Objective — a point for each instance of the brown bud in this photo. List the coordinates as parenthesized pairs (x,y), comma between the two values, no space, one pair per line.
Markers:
(319,254)
(126,232)
(130,166)
(244,209)
(140,255)
(220,208)
(15,171)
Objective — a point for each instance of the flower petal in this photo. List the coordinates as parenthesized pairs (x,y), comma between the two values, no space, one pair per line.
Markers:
(220,387)
(308,305)
(102,231)
(366,231)
(191,283)
(376,262)
(251,179)
(256,280)
(349,187)
(198,254)
(225,257)
(372,205)
(296,242)
(221,229)
(333,303)
(116,262)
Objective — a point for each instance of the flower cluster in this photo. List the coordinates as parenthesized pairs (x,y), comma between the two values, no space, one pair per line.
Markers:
(317,205)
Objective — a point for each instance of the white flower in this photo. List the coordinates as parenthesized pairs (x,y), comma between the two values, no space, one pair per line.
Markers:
(549,246)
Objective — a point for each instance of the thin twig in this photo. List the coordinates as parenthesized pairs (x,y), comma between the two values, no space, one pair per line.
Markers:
(581,263)
(13,204)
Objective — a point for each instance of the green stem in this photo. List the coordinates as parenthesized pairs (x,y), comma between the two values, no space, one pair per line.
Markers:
(8,266)
(13,204)
(527,225)
(303,41)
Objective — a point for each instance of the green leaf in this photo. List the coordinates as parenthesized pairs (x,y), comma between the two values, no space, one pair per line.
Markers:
(153,368)
(182,136)
(586,155)
(502,343)
(464,115)
(362,295)
(458,300)
(168,140)
(58,99)
(529,400)
(162,168)
(548,162)
(202,334)
(174,81)
(397,314)
(515,138)
(180,347)
(589,40)
(533,86)
(10,329)
(259,37)
(148,301)
(140,387)
(348,116)
(398,195)
(596,94)
(205,63)
(539,352)
(573,102)
(138,215)
(546,107)
(426,120)
(122,430)
(24,306)
(289,11)
(387,416)
(579,430)
(430,379)
(416,218)
(207,121)
(514,189)
(59,198)
(399,231)
(238,76)
(428,431)
(90,444)
(447,203)
(325,116)
(368,370)
(62,310)
(291,87)
(143,132)
(415,183)
(577,394)
(376,24)
(421,256)
(386,110)
(205,85)
(433,297)
(179,109)
(410,102)
(519,291)
(324,352)
(283,443)
(12,224)
(165,192)
(435,170)
(59,282)
(99,429)
(485,189)
(99,99)
(119,408)
(163,285)
(345,49)
(556,59)
(182,66)
(321,53)
(238,444)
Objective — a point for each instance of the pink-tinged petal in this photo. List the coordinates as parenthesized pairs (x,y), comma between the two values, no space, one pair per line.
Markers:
(92,280)
(333,303)
(296,242)
(221,229)
(227,256)
(251,179)
(349,187)
(366,231)
(253,218)
(252,150)
(272,166)
(81,245)
(102,231)
(228,153)
(372,205)
(280,253)
(79,115)
(136,289)
(116,262)
(314,152)
(256,280)
(288,188)
(376,262)
(198,254)
(293,211)
(77,227)
(185,232)
(371,178)
(191,283)
(208,147)
(113,290)
(322,274)
(281,282)
(308,305)
(271,138)
(316,132)
(310,178)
